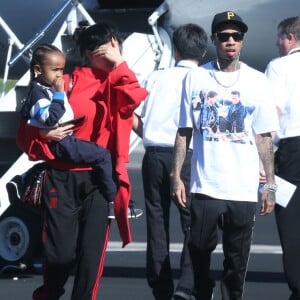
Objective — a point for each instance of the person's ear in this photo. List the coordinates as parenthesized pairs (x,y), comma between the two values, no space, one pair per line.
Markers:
(290,36)
(37,70)
(212,38)
(177,55)
(114,43)
(292,39)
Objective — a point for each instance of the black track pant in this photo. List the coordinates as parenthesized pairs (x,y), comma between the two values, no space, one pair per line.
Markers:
(75,232)
(236,219)
(74,150)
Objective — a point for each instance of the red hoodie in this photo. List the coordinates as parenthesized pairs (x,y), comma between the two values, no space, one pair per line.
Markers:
(107,101)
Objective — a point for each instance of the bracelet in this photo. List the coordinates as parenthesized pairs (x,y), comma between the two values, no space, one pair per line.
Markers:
(271,187)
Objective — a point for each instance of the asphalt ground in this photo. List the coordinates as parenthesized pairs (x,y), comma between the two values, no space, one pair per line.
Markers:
(128,284)
(124,273)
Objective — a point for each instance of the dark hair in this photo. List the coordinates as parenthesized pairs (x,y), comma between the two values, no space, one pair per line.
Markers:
(190,40)
(290,25)
(90,38)
(236,93)
(211,94)
(39,55)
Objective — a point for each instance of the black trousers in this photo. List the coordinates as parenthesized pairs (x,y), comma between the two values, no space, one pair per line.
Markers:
(75,231)
(156,168)
(74,150)
(287,162)
(236,219)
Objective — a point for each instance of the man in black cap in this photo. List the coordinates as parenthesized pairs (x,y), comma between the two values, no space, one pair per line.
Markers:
(225,170)
(228,17)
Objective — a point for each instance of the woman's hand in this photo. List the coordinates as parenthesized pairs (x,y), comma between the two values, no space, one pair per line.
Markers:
(178,191)
(56,134)
(106,57)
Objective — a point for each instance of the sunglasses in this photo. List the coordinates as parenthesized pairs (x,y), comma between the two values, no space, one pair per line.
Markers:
(224,36)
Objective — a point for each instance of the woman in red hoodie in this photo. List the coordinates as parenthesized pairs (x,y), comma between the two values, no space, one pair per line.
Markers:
(76,227)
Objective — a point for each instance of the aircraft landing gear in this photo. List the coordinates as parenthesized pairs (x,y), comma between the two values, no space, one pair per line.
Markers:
(20,238)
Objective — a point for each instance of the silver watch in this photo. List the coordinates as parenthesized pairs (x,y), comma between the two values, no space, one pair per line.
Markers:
(271,187)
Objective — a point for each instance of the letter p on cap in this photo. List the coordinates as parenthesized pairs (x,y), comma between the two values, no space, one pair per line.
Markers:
(230,15)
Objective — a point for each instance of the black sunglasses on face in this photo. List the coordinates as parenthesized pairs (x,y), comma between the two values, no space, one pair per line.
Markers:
(224,36)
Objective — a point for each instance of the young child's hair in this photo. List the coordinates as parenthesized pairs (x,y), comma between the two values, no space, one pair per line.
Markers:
(39,56)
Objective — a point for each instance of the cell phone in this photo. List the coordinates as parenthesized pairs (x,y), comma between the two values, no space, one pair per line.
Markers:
(76,121)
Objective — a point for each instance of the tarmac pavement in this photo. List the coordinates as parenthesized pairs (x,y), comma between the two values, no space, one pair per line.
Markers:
(124,272)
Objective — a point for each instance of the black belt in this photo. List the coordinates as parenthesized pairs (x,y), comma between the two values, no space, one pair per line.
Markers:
(290,140)
(162,149)
(159,149)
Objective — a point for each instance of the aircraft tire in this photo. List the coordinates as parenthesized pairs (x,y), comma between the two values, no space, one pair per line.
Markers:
(20,239)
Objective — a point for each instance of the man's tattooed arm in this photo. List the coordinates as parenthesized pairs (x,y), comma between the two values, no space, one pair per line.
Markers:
(182,141)
(266,153)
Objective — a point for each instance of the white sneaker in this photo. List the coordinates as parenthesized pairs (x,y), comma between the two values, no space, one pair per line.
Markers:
(133,213)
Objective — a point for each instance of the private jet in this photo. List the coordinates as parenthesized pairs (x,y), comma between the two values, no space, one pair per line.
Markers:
(147,28)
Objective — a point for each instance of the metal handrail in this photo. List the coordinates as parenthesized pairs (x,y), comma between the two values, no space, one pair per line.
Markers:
(152,21)
(42,32)
(12,40)
(10,33)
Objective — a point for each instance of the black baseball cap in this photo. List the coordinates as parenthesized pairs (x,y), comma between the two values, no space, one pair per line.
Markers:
(228,17)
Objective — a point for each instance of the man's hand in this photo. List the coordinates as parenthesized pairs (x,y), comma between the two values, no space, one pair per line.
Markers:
(178,191)
(267,202)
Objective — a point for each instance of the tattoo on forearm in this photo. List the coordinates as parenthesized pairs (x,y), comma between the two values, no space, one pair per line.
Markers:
(179,154)
(266,153)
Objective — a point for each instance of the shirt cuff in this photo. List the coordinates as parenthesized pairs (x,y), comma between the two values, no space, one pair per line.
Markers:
(59,96)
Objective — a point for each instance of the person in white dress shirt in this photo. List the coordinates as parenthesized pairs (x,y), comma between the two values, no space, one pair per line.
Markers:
(156,122)
(284,73)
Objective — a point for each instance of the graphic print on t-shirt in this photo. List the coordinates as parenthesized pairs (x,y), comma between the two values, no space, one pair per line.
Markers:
(222,117)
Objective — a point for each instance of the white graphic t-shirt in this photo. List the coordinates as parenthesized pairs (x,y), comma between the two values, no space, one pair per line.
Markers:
(226,109)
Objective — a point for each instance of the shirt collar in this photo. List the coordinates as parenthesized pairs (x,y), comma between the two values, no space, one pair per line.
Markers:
(294,50)
(50,88)
(186,64)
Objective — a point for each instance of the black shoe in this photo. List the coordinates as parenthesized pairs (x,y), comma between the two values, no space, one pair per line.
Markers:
(181,295)
(294,297)
(210,297)
(15,189)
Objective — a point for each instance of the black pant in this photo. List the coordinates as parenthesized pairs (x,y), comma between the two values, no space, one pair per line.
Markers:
(74,150)
(287,162)
(75,231)
(236,219)
(156,168)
